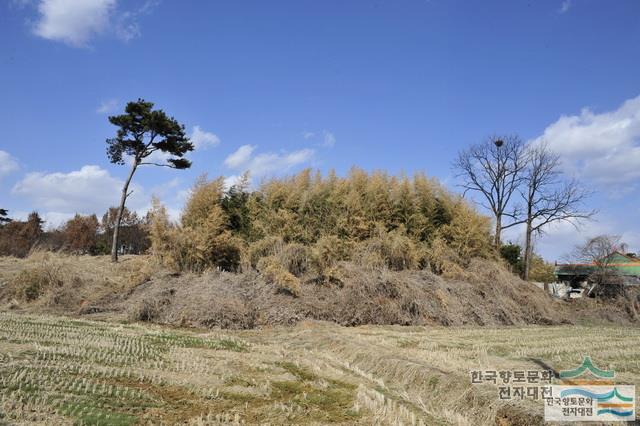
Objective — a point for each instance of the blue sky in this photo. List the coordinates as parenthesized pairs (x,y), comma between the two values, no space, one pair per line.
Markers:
(276,86)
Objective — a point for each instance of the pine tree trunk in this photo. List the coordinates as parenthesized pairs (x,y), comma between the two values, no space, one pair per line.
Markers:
(123,199)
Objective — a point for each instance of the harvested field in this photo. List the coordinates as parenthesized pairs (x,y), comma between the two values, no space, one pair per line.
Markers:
(57,370)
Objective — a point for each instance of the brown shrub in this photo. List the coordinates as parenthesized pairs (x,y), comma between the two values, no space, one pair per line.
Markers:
(468,233)
(148,310)
(295,258)
(30,284)
(268,246)
(329,250)
(205,196)
(393,250)
(161,233)
(275,273)
(443,260)
(225,252)
(203,243)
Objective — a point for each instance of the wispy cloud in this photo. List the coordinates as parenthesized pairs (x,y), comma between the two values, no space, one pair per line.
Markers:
(263,164)
(107,107)
(565,6)
(8,164)
(325,138)
(202,139)
(240,157)
(329,139)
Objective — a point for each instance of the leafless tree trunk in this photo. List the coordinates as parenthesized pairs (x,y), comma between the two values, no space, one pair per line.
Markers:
(548,198)
(494,169)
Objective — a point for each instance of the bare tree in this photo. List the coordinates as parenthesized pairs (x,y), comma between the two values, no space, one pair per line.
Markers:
(548,197)
(494,169)
(598,251)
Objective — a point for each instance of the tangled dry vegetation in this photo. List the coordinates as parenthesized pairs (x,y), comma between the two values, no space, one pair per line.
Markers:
(139,289)
(60,371)
(58,282)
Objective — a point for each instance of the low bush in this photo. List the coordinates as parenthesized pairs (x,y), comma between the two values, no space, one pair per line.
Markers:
(148,310)
(393,250)
(31,284)
(275,273)
(201,244)
(443,260)
(295,258)
(329,250)
(268,246)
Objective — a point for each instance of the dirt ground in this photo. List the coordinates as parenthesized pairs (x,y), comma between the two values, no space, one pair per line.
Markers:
(135,290)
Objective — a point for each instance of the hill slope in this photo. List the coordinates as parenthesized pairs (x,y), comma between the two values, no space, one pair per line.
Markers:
(136,290)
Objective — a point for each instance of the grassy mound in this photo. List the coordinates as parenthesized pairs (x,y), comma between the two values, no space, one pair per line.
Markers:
(348,293)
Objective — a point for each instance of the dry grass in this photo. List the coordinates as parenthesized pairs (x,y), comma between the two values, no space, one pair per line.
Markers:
(53,369)
(275,273)
(280,293)
(67,283)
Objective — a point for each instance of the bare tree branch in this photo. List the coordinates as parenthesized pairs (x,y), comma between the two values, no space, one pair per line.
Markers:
(494,169)
(548,197)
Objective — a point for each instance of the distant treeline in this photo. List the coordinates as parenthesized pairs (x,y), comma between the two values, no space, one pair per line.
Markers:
(79,235)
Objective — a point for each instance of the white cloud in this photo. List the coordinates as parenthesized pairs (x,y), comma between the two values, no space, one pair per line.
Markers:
(329,139)
(604,147)
(240,157)
(202,139)
(266,163)
(77,22)
(88,190)
(308,135)
(73,22)
(565,6)
(107,107)
(8,164)
(52,220)
(229,181)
